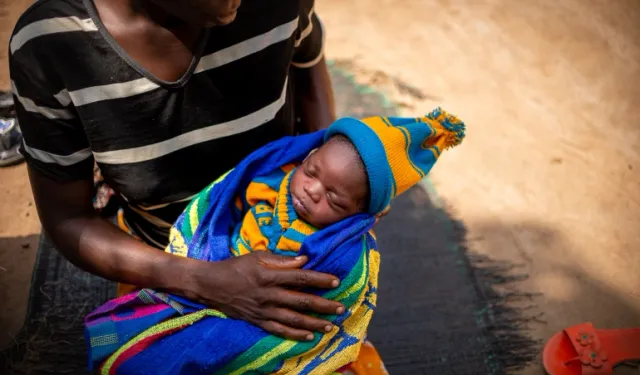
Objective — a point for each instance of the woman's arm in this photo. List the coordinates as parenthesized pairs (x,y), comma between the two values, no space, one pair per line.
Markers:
(314,97)
(250,287)
(91,243)
(312,84)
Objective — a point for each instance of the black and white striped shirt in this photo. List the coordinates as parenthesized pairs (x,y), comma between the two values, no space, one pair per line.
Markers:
(81,98)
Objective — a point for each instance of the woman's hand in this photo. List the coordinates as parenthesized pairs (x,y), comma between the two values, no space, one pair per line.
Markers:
(260,288)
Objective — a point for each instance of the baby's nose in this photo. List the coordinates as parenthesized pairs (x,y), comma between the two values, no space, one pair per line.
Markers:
(314,189)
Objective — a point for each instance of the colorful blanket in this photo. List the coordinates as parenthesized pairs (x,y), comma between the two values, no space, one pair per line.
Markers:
(270,223)
(157,333)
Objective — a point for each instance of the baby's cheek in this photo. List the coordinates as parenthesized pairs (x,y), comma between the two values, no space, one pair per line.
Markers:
(323,212)
(333,216)
(295,180)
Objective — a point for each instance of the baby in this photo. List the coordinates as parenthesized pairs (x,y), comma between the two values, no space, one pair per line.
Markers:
(360,167)
(296,200)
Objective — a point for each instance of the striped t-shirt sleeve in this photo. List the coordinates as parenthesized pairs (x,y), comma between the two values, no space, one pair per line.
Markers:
(55,143)
(309,45)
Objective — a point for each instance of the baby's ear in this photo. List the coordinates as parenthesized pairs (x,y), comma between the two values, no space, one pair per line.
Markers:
(310,153)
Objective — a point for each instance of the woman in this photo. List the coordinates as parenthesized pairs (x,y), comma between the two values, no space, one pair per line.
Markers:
(166,96)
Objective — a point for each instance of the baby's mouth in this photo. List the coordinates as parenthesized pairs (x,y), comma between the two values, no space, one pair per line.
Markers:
(298,205)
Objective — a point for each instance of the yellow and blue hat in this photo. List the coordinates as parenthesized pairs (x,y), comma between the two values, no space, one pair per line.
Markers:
(398,152)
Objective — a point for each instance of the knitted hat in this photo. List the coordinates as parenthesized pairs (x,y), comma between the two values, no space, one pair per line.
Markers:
(398,152)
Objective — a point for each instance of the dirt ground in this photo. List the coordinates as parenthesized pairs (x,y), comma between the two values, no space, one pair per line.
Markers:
(548,175)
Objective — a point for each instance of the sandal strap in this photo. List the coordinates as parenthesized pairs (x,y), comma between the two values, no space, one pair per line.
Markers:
(585,341)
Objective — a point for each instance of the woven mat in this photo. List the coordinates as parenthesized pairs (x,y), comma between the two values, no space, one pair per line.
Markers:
(52,339)
(438,309)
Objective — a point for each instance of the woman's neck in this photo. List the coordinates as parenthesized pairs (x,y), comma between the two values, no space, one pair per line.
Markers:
(156,40)
(132,12)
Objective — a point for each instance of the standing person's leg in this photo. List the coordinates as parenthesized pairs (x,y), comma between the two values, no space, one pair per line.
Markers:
(10,134)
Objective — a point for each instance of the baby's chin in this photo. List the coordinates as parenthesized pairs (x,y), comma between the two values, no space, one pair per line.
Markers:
(305,216)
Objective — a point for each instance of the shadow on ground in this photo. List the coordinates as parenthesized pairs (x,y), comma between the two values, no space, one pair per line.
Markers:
(442,309)
(52,338)
(566,286)
(17,255)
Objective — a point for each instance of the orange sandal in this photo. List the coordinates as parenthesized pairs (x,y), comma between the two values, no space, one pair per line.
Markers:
(584,350)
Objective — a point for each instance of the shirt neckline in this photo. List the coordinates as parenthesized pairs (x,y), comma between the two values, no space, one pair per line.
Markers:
(197,53)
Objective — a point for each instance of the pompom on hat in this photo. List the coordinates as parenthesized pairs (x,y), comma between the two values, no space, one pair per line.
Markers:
(398,151)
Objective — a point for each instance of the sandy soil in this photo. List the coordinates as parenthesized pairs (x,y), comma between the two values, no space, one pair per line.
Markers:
(548,176)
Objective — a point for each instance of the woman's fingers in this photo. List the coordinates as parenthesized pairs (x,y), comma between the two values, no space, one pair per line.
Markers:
(298,321)
(281,330)
(270,260)
(382,213)
(285,271)
(305,302)
(298,278)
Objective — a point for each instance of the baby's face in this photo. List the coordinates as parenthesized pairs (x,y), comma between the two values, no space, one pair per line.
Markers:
(329,185)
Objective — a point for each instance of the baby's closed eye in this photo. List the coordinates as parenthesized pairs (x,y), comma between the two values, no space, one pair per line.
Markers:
(335,201)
